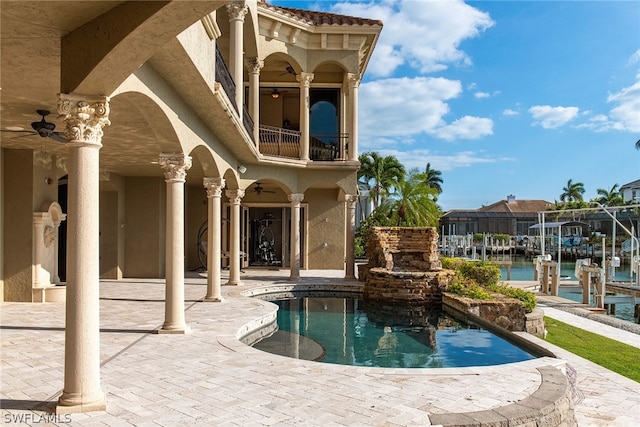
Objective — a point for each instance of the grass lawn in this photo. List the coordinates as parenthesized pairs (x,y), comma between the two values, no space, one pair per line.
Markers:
(613,355)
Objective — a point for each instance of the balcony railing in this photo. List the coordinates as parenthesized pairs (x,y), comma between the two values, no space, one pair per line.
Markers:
(279,142)
(223,76)
(327,146)
(247,121)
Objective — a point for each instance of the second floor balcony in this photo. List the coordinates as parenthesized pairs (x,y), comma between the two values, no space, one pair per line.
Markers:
(279,142)
(282,105)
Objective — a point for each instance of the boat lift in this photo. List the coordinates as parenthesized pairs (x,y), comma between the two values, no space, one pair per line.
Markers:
(591,276)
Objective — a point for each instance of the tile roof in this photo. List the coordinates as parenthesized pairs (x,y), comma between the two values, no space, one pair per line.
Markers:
(632,184)
(517,206)
(504,208)
(320,18)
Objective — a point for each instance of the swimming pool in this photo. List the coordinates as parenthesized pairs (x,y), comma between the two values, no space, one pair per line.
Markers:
(352,331)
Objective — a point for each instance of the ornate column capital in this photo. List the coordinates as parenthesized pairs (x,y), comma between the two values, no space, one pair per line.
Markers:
(254,65)
(305,79)
(214,186)
(237,10)
(234,196)
(175,166)
(296,199)
(84,117)
(353,79)
(351,200)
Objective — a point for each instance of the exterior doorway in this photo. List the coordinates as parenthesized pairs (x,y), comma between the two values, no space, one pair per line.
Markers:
(265,233)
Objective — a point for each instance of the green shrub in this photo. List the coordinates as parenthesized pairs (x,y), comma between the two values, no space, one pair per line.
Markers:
(477,280)
(504,237)
(484,273)
(451,263)
(528,298)
(467,288)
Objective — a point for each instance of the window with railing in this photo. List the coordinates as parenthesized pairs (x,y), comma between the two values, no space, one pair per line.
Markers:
(327,146)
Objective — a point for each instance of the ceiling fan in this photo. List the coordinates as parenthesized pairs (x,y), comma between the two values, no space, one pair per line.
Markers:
(289,70)
(42,128)
(260,189)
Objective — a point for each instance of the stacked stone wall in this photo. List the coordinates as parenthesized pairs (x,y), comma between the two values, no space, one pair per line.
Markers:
(404,266)
(407,287)
(535,323)
(508,313)
(403,249)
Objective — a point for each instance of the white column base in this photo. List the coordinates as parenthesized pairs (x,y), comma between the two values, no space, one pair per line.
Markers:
(173,331)
(69,404)
(212,299)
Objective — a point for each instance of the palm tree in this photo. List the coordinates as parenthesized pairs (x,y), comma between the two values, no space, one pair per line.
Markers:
(638,144)
(609,197)
(380,173)
(412,203)
(433,178)
(572,192)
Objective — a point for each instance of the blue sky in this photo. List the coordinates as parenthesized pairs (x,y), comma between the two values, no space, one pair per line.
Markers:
(503,97)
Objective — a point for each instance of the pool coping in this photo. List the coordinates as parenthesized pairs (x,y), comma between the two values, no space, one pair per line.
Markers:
(550,404)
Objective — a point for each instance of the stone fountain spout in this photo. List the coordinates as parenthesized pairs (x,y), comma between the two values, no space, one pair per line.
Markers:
(404,266)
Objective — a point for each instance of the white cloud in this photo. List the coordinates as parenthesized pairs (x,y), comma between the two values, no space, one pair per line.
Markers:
(481,95)
(419,158)
(552,117)
(465,128)
(398,109)
(635,58)
(510,113)
(404,106)
(627,112)
(599,118)
(422,34)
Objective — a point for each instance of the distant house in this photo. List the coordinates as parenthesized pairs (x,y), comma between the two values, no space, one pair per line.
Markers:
(364,207)
(509,216)
(631,192)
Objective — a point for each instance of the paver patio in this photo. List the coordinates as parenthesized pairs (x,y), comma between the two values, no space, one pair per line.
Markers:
(208,377)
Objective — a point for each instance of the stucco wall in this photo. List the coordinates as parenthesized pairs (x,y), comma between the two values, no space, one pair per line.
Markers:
(17,172)
(144,227)
(109,234)
(196,214)
(1,225)
(326,224)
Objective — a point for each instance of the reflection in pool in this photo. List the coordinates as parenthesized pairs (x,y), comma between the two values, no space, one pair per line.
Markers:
(351,331)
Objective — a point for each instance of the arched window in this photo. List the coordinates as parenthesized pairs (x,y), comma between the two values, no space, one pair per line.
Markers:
(324,117)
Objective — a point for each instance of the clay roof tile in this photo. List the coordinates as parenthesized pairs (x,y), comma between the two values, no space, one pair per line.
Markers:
(321,18)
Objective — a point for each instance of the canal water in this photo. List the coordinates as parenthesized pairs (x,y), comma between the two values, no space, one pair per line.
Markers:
(523,269)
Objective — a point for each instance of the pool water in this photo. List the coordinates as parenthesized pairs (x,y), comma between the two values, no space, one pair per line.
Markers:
(350,331)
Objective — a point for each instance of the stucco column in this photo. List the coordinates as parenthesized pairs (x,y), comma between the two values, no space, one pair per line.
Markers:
(56,274)
(305,80)
(84,119)
(354,83)
(38,244)
(175,167)
(255,65)
(294,244)
(234,253)
(237,11)
(214,188)
(350,235)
